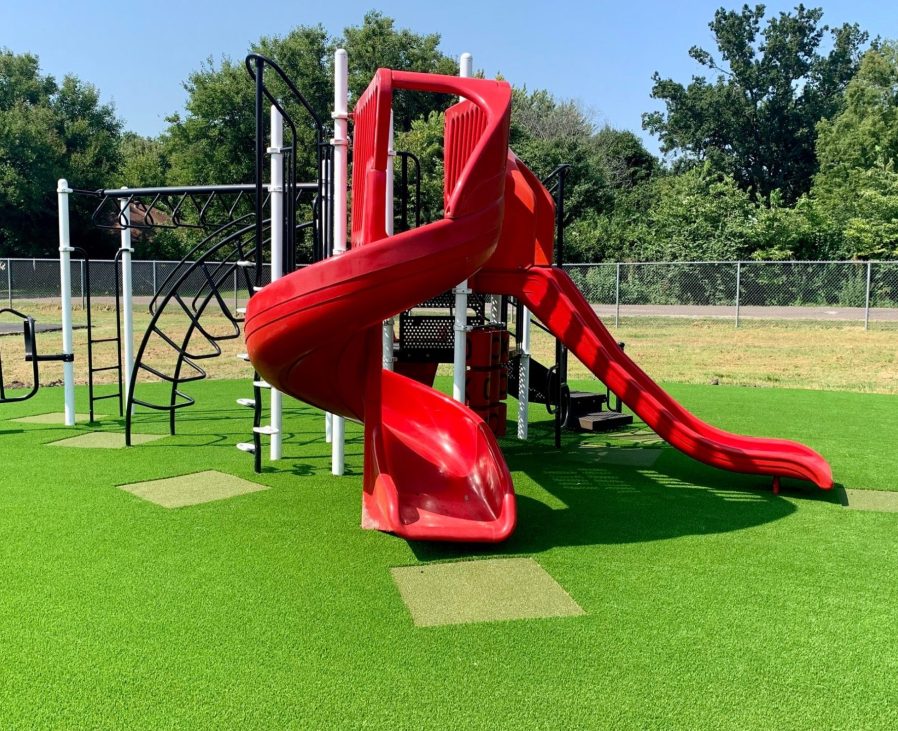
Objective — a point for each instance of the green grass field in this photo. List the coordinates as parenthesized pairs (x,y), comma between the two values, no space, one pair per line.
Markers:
(709,602)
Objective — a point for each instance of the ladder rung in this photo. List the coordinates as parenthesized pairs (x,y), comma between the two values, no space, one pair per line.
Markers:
(261,384)
(104,340)
(246,447)
(104,368)
(243,356)
(258,289)
(267,429)
(241,310)
(250,402)
(246,264)
(111,395)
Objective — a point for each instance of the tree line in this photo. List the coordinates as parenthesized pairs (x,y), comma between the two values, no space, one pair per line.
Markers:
(785,148)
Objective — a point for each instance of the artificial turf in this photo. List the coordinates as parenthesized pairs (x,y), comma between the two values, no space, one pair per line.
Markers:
(709,602)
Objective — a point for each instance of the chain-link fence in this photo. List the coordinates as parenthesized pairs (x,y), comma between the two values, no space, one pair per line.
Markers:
(863,292)
(38,280)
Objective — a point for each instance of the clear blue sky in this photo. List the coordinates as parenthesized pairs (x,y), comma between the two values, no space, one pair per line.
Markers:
(601,53)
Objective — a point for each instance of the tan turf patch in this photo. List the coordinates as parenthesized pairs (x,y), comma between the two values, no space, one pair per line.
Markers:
(56,417)
(481,591)
(192,489)
(105,440)
(875,500)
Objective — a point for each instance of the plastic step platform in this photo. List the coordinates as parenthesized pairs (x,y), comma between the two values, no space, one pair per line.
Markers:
(604,421)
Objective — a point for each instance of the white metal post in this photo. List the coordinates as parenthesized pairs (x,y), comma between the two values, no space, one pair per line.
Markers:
(341,166)
(465,70)
(524,377)
(65,280)
(127,297)
(277,253)
(388,325)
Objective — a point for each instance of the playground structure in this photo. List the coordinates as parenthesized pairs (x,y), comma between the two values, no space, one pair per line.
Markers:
(433,470)
(324,333)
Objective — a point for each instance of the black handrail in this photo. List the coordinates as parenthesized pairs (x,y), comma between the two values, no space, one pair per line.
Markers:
(405,156)
(30,347)
(255,65)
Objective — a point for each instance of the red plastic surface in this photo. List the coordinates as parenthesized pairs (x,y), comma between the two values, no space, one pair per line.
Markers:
(555,300)
(433,470)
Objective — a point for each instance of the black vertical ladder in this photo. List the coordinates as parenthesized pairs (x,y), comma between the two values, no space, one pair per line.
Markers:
(91,340)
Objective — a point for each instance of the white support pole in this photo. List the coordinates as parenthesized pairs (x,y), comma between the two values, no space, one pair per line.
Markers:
(388,325)
(65,281)
(340,173)
(465,70)
(127,298)
(277,254)
(524,376)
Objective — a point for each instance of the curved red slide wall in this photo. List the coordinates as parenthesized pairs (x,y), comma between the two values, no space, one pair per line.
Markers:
(433,470)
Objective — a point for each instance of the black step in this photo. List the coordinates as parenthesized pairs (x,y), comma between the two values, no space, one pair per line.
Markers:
(105,368)
(604,421)
(586,402)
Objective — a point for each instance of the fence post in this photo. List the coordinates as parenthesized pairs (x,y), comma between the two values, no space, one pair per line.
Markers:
(867,299)
(738,288)
(9,281)
(617,296)
(154,277)
(83,299)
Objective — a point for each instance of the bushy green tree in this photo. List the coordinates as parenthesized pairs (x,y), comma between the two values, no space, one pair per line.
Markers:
(49,130)
(547,132)
(144,162)
(756,120)
(425,141)
(855,193)
(213,141)
(378,43)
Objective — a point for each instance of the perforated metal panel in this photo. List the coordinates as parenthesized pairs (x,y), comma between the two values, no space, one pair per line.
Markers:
(429,338)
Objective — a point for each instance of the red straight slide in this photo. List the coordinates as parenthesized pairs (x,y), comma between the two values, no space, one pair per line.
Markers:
(551,295)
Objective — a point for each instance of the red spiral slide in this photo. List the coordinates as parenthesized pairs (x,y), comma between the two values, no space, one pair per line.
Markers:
(433,470)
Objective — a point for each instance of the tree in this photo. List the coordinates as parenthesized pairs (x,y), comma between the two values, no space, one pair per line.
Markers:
(49,131)
(377,43)
(756,121)
(144,162)
(425,141)
(545,133)
(212,142)
(856,190)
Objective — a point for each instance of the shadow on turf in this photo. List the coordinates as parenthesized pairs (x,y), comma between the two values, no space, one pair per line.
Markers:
(593,504)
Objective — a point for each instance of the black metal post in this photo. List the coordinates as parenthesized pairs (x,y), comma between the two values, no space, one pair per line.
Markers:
(560,350)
